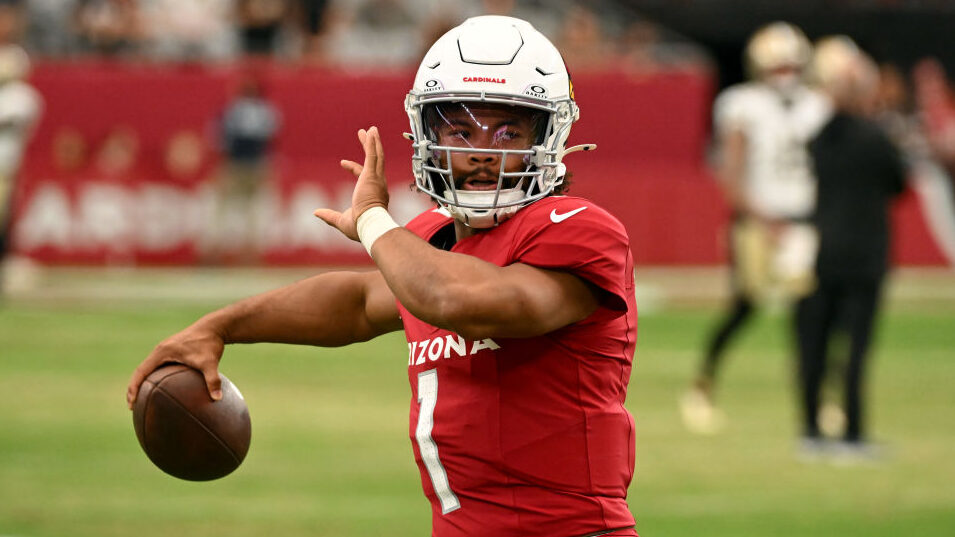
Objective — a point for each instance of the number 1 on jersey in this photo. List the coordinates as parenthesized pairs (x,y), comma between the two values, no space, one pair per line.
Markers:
(428,398)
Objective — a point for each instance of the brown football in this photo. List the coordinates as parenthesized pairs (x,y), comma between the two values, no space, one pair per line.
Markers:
(183,431)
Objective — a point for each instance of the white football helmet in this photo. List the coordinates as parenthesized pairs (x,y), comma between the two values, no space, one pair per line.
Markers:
(778,46)
(501,64)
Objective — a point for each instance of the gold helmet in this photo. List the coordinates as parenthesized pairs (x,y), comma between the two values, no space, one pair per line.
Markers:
(14,63)
(779,45)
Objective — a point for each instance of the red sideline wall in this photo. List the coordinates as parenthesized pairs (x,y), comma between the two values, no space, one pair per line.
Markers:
(648,169)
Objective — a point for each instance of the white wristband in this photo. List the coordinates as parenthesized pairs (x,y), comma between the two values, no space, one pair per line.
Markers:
(372,224)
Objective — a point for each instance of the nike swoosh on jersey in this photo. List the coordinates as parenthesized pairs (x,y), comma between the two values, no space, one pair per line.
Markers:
(558,218)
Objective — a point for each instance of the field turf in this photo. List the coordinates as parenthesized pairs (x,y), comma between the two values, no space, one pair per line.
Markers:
(330,454)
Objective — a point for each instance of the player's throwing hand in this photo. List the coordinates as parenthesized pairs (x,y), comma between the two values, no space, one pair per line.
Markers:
(371,188)
(198,346)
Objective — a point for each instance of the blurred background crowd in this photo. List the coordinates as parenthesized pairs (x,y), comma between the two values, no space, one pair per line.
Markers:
(350,33)
(907,37)
(262,87)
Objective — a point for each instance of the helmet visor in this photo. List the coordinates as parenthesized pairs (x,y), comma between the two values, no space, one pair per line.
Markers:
(484,125)
(480,146)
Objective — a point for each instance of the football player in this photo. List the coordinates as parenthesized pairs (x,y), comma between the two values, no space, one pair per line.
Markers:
(20,107)
(517,302)
(761,129)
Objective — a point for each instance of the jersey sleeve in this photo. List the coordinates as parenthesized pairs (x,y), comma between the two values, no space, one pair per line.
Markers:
(591,244)
(729,111)
(427,223)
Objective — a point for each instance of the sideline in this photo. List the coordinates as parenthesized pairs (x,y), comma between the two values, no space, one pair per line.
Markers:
(656,287)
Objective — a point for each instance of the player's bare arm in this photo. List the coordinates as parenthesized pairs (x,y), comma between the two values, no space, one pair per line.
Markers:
(477,299)
(328,310)
(461,293)
(731,169)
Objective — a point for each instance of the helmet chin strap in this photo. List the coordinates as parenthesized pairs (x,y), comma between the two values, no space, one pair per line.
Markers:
(488,218)
(485,218)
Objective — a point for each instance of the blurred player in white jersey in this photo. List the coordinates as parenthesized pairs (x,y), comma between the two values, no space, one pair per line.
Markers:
(20,107)
(762,128)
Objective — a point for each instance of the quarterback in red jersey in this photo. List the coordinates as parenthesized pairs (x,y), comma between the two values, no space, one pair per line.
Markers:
(529,434)
(517,302)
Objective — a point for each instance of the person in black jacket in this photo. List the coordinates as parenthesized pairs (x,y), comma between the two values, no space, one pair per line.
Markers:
(858,171)
(761,129)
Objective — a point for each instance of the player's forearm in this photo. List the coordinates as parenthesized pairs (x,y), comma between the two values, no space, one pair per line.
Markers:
(453,291)
(732,169)
(326,310)
(732,190)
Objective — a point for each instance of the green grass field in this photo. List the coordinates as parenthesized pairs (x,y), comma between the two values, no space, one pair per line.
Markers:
(330,454)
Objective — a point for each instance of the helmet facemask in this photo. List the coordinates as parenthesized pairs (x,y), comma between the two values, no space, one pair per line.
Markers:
(785,80)
(484,160)
(498,67)
(777,54)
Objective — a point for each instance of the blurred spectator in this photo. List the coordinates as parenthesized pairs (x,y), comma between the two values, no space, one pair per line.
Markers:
(385,14)
(761,129)
(646,47)
(109,27)
(249,125)
(937,108)
(348,33)
(311,18)
(498,7)
(930,178)
(895,111)
(11,21)
(49,28)
(190,29)
(438,25)
(858,171)
(20,107)
(583,41)
(260,25)
(375,32)
(548,16)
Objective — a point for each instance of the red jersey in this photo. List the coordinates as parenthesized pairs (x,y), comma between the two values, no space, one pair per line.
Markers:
(530,436)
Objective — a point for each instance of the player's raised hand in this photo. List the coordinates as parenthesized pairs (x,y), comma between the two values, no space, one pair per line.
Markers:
(196,347)
(371,188)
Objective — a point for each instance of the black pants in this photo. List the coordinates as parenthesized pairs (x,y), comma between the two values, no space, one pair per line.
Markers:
(838,303)
(6,222)
(733,320)
(6,225)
